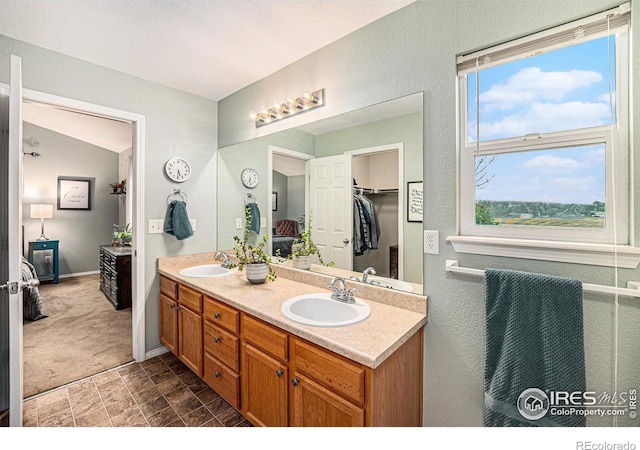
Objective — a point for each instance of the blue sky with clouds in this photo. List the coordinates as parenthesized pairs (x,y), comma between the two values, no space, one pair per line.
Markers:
(562,89)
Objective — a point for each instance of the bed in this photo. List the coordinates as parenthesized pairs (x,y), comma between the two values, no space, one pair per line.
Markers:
(282,243)
(31,300)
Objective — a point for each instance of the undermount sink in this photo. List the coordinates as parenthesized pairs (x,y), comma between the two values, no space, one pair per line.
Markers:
(320,310)
(390,283)
(204,271)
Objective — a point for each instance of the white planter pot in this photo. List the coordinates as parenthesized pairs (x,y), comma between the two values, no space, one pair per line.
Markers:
(302,262)
(256,273)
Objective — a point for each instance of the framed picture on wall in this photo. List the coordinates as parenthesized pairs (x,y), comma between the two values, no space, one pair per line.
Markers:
(414,201)
(74,193)
(274,201)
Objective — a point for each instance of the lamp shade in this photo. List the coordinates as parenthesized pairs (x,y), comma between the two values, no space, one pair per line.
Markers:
(41,211)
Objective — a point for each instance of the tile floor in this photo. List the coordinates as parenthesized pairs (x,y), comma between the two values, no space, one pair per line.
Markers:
(160,392)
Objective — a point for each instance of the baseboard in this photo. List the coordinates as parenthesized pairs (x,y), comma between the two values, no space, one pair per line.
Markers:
(79,274)
(156,352)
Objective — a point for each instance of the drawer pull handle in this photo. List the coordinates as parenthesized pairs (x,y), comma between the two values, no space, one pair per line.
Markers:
(216,315)
(295,381)
(279,372)
(217,374)
(216,339)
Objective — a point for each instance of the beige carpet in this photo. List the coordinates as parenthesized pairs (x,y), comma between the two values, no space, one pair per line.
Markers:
(82,336)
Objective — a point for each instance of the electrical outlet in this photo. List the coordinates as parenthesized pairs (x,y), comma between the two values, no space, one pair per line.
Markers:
(432,242)
(156,226)
(193,224)
(238,223)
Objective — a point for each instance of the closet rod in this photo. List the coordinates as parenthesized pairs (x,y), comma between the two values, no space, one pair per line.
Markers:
(632,289)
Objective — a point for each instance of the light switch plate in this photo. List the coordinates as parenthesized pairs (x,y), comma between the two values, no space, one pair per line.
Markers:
(193,224)
(238,223)
(263,222)
(156,226)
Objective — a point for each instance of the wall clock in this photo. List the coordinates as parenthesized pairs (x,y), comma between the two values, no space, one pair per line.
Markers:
(178,169)
(250,178)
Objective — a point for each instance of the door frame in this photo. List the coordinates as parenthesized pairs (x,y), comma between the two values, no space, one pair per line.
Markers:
(138,183)
(401,203)
(291,154)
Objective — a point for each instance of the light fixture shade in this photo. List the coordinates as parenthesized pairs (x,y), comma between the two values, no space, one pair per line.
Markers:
(41,211)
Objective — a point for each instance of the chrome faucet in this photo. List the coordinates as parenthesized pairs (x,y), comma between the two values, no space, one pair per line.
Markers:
(341,293)
(368,271)
(226,261)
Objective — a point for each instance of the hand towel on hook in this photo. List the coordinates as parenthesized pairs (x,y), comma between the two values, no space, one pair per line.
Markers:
(177,221)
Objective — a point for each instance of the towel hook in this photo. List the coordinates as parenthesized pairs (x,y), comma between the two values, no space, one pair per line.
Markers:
(250,196)
(177,193)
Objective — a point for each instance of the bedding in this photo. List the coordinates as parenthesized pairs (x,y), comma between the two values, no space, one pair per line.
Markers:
(31,300)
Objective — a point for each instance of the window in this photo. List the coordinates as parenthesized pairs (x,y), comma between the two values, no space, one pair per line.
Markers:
(543,126)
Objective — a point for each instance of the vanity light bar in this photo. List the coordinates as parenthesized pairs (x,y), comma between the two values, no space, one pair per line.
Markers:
(288,108)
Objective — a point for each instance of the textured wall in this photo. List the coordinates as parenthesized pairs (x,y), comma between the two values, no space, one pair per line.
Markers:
(79,232)
(177,124)
(414,50)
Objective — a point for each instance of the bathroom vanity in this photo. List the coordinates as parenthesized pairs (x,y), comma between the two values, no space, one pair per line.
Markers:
(278,372)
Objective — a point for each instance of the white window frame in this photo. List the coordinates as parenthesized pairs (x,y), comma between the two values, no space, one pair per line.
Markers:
(615,137)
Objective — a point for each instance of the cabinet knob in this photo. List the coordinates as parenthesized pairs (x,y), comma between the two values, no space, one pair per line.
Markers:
(216,315)
(171,306)
(217,374)
(279,372)
(295,381)
(216,339)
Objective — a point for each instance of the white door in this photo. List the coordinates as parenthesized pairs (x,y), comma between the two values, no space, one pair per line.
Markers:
(11,247)
(330,202)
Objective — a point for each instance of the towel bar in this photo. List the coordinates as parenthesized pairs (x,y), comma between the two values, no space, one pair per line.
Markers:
(632,289)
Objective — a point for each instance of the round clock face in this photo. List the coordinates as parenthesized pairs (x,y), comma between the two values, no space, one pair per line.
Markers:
(178,169)
(250,178)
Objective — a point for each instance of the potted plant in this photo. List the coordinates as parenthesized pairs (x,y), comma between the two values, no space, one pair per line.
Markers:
(253,257)
(122,235)
(303,248)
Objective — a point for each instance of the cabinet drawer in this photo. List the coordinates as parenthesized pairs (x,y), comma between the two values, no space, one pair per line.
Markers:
(221,314)
(337,373)
(221,344)
(222,380)
(169,287)
(190,298)
(266,337)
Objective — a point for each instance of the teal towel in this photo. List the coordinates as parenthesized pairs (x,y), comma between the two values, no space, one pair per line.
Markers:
(254,225)
(177,221)
(534,339)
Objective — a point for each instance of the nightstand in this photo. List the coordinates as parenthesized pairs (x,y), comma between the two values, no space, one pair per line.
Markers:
(44,257)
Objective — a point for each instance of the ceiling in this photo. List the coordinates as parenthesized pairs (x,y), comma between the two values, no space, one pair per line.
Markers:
(210,48)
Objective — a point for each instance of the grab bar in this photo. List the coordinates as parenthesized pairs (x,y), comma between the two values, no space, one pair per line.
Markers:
(632,289)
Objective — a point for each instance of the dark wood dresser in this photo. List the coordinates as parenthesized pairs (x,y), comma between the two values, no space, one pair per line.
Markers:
(115,275)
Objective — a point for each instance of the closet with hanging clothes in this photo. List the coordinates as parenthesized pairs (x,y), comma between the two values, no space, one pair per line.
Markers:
(375,212)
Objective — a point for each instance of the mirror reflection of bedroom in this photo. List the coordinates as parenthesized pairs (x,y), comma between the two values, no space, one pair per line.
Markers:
(77,321)
(288,202)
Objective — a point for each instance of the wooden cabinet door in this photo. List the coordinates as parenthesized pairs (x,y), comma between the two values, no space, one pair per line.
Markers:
(190,339)
(265,398)
(316,406)
(169,323)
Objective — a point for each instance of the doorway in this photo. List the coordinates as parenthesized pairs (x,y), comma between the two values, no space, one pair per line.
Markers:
(135,202)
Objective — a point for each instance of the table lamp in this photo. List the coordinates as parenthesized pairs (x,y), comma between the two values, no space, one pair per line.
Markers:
(42,212)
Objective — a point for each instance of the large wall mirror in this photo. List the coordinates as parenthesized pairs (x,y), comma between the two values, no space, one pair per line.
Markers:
(380,149)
